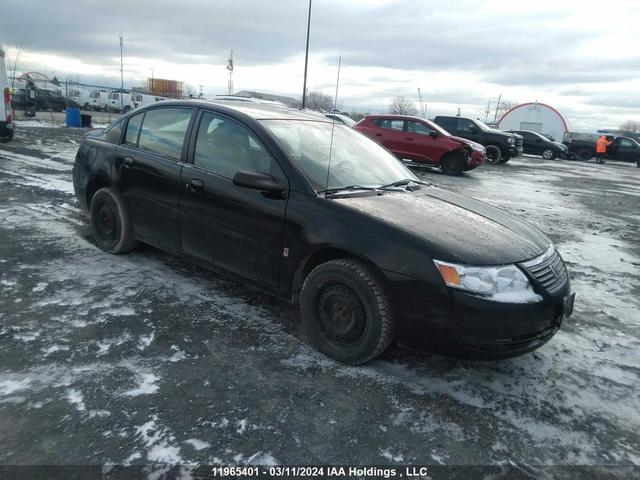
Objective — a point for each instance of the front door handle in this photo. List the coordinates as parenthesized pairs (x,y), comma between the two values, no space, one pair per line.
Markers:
(409,138)
(127,162)
(378,134)
(196,185)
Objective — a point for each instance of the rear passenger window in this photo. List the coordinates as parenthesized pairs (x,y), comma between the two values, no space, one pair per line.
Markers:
(225,147)
(133,130)
(389,123)
(163,131)
(113,133)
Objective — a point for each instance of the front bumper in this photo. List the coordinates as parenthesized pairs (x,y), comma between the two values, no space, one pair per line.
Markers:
(454,323)
(515,151)
(476,159)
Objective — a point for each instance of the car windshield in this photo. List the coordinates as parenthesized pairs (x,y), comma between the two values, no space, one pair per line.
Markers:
(355,160)
(482,125)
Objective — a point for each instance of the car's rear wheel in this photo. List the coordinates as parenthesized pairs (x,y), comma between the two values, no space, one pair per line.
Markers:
(110,222)
(346,311)
(585,154)
(493,154)
(548,154)
(452,164)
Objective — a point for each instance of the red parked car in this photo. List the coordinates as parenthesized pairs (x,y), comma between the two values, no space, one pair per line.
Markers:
(422,141)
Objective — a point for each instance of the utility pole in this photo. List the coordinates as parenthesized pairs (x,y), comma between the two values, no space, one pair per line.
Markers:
(420,102)
(230,68)
(306,59)
(495,117)
(487,111)
(121,75)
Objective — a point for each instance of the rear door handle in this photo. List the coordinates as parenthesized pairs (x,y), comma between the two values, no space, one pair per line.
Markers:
(196,185)
(409,138)
(127,162)
(378,134)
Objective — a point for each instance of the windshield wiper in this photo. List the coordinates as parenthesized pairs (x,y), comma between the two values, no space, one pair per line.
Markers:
(331,191)
(403,182)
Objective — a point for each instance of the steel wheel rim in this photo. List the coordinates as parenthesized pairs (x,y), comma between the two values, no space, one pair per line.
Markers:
(340,314)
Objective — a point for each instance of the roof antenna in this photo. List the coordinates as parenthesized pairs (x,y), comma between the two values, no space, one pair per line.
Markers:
(333,123)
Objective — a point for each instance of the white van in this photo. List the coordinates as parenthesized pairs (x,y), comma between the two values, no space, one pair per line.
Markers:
(143,99)
(80,96)
(99,100)
(119,102)
(6,122)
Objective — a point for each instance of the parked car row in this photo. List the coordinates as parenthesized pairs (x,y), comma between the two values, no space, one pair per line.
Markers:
(423,142)
(322,205)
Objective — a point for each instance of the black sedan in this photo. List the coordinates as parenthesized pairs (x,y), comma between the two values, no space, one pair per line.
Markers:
(317,214)
(536,144)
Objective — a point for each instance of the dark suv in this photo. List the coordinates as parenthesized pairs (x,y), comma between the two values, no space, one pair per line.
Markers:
(501,146)
(536,144)
(317,214)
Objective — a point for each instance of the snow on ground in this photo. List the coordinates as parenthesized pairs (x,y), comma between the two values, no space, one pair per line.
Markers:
(144,358)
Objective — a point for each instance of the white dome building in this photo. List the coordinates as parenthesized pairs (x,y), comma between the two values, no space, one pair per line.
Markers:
(536,117)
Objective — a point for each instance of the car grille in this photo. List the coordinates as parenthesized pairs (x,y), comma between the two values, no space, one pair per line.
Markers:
(548,270)
(519,141)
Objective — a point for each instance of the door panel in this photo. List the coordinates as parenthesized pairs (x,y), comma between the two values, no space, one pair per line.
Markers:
(236,228)
(150,163)
(420,145)
(150,187)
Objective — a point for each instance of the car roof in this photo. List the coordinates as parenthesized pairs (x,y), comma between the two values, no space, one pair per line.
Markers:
(396,117)
(257,111)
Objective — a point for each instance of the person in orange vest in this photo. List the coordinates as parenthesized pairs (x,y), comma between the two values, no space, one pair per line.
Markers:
(601,148)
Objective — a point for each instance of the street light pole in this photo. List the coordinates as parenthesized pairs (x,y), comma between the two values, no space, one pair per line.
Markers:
(306,59)
(121,75)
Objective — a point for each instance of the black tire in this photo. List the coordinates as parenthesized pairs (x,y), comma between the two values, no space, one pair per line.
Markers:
(585,154)
(548,154)
(346,310)
(110,222)
(494,155)
(452,164)
(127,108)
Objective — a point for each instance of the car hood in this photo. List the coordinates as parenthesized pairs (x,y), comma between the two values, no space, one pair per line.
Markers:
(467,142)
(457,228)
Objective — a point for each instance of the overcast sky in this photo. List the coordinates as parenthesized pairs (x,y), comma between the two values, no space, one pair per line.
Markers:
(581,58)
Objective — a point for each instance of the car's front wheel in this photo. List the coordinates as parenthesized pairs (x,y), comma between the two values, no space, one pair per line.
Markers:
(493,154)
(346,311)
(110,222)
(548,154)
(452,164)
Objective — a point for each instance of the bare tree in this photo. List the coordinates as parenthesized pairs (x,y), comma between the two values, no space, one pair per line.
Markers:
(630,126)
(402,106)
(20,47)
(318,101)
(504,107)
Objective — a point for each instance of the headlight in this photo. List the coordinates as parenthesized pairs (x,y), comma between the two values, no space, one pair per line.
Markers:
(505,283)
(511,140)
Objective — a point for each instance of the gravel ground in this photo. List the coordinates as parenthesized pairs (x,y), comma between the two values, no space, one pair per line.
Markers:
(144,358)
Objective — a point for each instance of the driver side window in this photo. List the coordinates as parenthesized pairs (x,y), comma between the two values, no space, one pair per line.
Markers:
(225,147)
(417,127)
(466,125)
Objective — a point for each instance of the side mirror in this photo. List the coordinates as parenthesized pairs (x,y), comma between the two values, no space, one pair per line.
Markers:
(433,134)
(259,181)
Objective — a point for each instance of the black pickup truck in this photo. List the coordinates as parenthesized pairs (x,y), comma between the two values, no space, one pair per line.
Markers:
(624,149)
(500,146)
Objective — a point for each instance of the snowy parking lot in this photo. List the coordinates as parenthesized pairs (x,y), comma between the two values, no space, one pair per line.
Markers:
(144,358)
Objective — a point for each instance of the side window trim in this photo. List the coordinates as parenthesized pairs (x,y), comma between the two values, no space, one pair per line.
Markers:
(185,142)
(124,136)
(193,138)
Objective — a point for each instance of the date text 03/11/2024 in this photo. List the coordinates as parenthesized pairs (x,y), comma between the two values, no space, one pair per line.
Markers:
(421,472)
